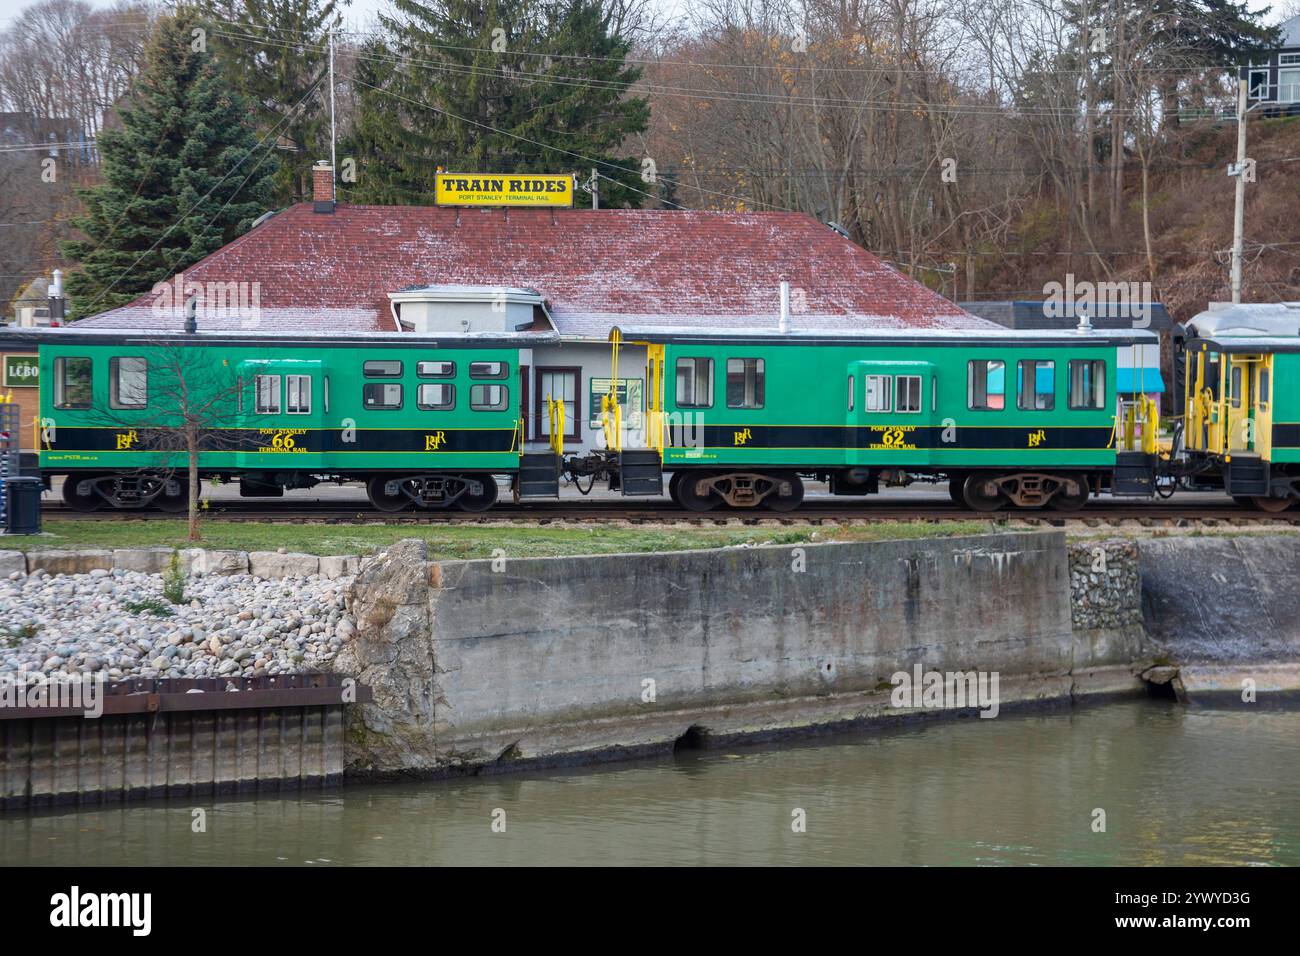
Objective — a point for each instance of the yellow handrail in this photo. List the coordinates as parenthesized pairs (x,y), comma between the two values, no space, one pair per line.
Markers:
(555,412)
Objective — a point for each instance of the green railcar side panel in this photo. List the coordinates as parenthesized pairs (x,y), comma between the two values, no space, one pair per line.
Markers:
(805,420)
(1286,408)
(338,431)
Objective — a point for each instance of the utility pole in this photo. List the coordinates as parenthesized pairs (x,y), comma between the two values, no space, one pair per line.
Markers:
(595,188)
(333,136)
(1238,170)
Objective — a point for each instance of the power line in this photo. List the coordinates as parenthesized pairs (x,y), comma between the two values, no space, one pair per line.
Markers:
(884,70)
(269,136)
(758,98)
(567,152)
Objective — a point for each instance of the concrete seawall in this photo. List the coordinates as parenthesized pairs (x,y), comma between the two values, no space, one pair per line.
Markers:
(1224,612)
(476,662)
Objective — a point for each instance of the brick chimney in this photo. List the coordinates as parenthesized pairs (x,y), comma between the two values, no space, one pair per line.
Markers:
(322,187)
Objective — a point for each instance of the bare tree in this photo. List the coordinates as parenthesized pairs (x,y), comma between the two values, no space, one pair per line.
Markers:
(171,407)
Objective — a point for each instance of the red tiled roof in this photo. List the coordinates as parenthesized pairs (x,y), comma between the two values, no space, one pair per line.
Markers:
(320,272)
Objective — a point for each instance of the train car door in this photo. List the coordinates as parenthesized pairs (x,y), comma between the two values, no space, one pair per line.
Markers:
(890,413)
(282,404)
(1242,383)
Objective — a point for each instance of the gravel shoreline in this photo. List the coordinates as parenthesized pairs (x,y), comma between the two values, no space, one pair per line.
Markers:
(230,625)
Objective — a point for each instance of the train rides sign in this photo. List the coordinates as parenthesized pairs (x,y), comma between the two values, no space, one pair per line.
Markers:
(510,189)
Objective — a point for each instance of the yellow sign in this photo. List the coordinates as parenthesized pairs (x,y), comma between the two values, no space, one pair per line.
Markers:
(512,189)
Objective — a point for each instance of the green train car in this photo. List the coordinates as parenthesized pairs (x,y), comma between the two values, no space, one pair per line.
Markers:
(1021,419)
(421,423)
(1007,418)
(1242,407)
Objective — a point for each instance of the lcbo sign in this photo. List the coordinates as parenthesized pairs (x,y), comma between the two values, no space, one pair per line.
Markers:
(22,371)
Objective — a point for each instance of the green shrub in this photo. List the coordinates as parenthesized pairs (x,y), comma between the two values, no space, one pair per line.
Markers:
(174,580)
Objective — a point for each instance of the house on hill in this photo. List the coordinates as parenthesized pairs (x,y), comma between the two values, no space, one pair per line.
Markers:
(569,275)
(1275,78)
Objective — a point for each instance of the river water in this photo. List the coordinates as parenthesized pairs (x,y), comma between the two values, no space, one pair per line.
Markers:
(1178,786)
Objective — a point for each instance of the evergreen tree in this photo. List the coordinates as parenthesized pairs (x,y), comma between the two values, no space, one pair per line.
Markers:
(275,53)
(495,86)
(182,176)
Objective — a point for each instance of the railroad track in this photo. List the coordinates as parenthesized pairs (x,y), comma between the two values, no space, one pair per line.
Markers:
(814,512)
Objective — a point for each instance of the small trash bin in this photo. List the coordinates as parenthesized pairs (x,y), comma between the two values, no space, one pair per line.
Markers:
(23,505)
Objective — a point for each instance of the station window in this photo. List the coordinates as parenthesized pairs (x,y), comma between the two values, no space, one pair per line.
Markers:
(986,385)
(488,370)
(382,368)
(297,394)
(267,390)
(72,380)
(489,398)
(1087,383)
(908,398)
(1036,380)
(745,383)
(561,385)
(877,397)
(436,397)
(695,383)
(128,382)
(381,395)
(435,369)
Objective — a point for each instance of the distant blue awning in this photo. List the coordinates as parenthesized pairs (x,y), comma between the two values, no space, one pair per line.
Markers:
(1133,380)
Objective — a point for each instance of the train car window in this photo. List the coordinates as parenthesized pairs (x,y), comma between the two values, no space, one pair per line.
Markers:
(1234,387)
(695,383)
(745,383)
(877,393)
(128,382)
(435,369)
(267,390)
(1262,384)
(851,393)
(1035,385)
(1087,383)
(381,395)
(297,394)
(488,370)
(436,398)
(908,398)
(72,381)
(326,393)
(1212,374)
(489,398)
(382,368)
(986,385)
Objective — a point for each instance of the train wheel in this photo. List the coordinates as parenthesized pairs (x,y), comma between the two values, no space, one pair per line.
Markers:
(482,501)
(381,499)
(1272,505)
(179,501)
(693,495)
(981,493)
(777,501)
(90,500)
(1064,501)
(955,484)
